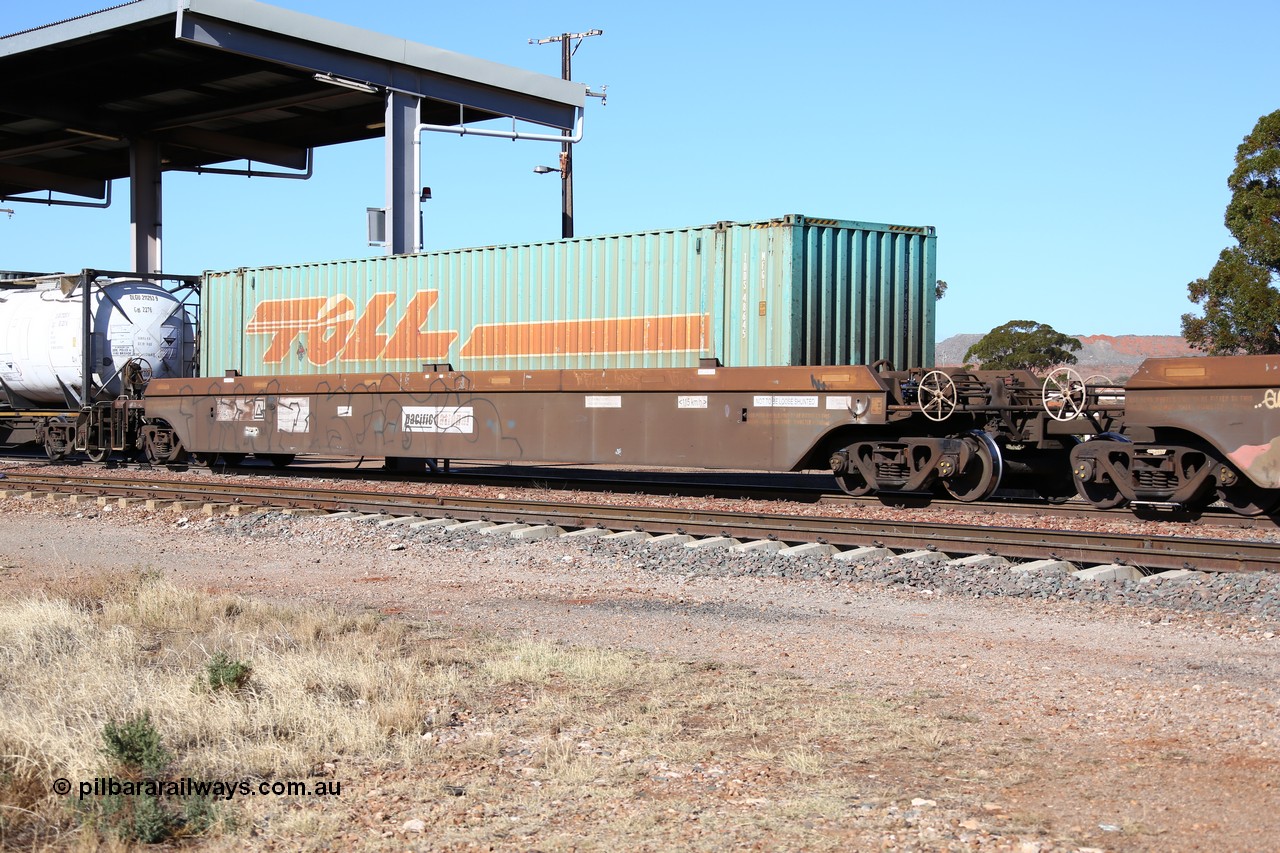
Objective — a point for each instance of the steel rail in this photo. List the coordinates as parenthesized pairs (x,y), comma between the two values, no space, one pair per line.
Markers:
(721,484)
(1144,551)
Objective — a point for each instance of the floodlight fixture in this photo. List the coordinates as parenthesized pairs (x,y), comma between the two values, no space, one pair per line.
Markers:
(93,134)
(325,77)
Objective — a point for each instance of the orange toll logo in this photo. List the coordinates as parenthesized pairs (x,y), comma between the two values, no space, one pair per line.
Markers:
(336,331)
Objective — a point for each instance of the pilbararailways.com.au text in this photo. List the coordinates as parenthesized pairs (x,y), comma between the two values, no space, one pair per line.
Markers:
(108,786)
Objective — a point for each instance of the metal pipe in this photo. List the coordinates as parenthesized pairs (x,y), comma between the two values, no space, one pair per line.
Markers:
(86,339)
(513,135)
(251,172)
(566,151)
(50,201)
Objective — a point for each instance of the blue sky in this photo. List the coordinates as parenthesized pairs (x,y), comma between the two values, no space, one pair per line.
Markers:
(1073,157)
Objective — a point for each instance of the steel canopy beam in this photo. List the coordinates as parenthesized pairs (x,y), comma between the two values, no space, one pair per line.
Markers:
(39,179)
(423,71)
(236,147)
(482,90)
(198,82)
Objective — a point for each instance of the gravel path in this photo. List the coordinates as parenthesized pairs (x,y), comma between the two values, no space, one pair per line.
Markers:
(1153,707)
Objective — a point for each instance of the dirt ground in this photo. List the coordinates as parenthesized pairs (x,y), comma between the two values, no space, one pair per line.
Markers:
(1120,729)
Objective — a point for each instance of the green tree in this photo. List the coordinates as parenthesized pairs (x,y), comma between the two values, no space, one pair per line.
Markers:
(1240,299)
(1023,345)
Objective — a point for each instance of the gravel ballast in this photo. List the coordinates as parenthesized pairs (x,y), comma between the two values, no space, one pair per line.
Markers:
(1152,704)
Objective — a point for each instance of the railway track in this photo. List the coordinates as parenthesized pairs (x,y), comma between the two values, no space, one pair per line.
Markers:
(1148,552)
(800,488)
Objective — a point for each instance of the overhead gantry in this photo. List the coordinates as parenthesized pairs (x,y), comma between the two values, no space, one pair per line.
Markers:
(159,85)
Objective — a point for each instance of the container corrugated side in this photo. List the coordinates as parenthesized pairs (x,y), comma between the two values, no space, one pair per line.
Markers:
(801,290)
(640,300)
(868,293)
(783,292)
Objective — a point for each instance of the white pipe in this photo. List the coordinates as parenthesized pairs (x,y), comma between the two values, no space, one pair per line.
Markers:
(463,130)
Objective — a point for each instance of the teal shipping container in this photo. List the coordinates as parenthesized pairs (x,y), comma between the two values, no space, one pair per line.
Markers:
(788,291)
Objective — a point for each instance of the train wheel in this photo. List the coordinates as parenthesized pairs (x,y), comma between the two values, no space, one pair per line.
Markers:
(159,452)
(150,455)
(1244,498)
(1098,488)
(980,477)
(231,460)
(277,460)
(848,477)
(98,454)
(53,440)
(204,460)
(1103,495)
(853,483)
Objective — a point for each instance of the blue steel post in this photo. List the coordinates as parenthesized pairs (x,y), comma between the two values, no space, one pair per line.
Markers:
(144,204)
(402,173)
(86,339)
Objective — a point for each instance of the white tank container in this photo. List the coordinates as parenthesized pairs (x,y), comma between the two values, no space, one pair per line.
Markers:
(41,332)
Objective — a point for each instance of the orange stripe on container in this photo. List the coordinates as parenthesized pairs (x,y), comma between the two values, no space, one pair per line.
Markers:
(672,333)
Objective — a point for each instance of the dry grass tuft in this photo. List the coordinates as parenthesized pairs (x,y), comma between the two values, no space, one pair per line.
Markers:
(509,744)
(322,685)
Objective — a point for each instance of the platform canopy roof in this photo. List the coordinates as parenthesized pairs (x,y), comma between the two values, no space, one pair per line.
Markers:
(211,81)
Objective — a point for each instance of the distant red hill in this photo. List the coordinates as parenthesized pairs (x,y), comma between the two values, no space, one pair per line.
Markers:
(1136,346)
(1114,356)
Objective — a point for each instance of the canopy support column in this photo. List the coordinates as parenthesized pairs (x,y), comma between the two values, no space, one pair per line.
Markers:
(144,205)
(403,221)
